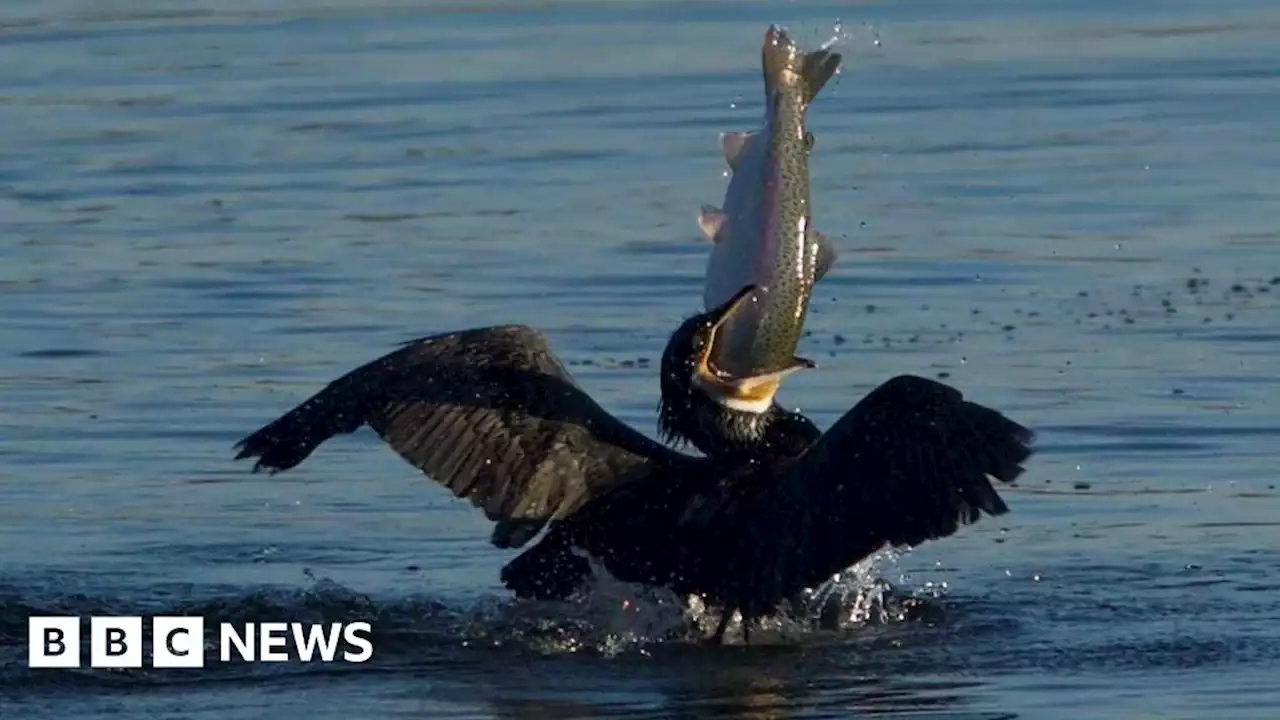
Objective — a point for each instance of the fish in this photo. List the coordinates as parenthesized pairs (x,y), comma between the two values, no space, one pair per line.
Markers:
(763,234)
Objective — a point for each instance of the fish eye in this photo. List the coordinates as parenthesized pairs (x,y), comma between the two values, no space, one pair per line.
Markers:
(808,140)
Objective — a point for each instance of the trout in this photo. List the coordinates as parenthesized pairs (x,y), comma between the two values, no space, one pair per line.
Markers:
(763,236)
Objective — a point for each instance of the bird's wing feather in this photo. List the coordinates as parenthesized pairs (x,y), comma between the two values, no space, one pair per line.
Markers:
(912,461)
(490,413)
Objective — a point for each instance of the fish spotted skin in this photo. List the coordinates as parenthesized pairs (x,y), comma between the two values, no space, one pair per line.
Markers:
(763,236)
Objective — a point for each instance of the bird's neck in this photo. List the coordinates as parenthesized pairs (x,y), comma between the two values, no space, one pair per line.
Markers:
(729,433)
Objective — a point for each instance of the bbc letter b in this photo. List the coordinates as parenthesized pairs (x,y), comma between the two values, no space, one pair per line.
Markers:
(115,642)
(53,642)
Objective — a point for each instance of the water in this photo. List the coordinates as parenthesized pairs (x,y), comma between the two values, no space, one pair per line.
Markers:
(208,210)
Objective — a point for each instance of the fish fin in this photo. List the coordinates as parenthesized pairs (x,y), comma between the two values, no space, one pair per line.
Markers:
(774,376)
(711,219)
(819,67)
(780,54)
(799,363)
(764,385)
(732,145)
(827,254)
(751,393)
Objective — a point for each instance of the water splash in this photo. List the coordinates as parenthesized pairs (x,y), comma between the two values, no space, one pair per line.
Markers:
(855,597)
(611,617)
(846,38)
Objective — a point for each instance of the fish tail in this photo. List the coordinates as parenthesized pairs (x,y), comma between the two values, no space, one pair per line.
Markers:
(780,55)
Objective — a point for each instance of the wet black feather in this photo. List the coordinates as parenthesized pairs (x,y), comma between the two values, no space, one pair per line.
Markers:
(773,507)
(489,413)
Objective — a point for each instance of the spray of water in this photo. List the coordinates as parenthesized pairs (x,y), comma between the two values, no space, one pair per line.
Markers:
(612,617)
(847,40)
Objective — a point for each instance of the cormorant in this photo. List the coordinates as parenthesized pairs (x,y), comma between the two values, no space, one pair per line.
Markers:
(773,507)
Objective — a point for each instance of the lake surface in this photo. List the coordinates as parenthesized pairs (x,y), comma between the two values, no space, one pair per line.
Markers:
(210,209)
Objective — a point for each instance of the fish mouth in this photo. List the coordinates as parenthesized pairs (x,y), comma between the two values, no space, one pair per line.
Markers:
(749,393)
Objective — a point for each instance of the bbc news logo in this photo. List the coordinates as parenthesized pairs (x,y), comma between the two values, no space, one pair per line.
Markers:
(178,642)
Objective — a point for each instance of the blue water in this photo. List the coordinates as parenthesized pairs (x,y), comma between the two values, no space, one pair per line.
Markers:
(209,210)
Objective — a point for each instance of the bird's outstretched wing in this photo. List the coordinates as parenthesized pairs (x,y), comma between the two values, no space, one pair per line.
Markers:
(912,461)
(489,413)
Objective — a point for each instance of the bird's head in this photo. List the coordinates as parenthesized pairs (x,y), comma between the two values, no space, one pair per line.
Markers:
(718,413)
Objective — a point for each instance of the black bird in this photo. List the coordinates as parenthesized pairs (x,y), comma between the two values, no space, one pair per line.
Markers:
(773,507)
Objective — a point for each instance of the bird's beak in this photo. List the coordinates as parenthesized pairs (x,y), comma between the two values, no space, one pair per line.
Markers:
(753,393)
